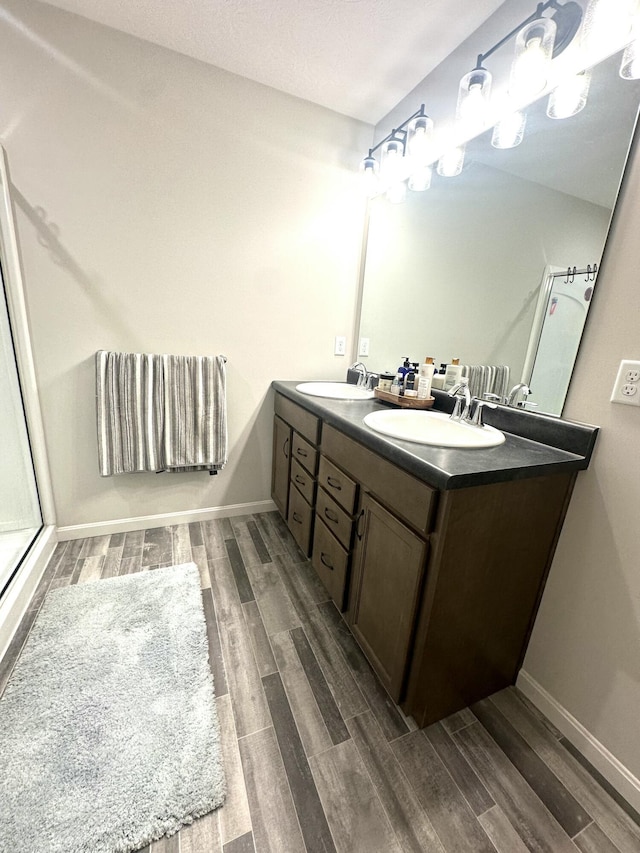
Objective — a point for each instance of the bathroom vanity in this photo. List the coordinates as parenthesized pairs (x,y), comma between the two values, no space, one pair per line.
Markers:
(436,557)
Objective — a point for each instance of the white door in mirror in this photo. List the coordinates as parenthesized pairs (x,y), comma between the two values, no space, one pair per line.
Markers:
(435,428)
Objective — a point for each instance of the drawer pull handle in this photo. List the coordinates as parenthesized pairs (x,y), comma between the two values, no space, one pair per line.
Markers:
(296,518)
(301,452)
(335,484)
(300,480)
(358,534)
(324,561)
(331,515)
(285,448)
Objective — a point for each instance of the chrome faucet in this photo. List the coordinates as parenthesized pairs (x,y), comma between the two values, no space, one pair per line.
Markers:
(461,393)
(364,375)
(511,398)
(521,387)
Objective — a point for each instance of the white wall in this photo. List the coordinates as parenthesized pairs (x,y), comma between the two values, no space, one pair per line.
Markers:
(585,648)
(167,206)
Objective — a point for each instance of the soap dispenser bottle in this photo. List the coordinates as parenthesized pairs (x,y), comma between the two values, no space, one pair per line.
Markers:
(452,374)
(404,368)
(425,378)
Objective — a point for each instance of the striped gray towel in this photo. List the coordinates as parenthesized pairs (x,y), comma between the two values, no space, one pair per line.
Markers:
(195,417)
(160,413)
(130,409)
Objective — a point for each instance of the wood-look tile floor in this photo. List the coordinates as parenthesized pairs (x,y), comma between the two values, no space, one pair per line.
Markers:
(317,756)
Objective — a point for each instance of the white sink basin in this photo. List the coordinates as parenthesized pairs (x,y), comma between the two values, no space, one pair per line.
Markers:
(434,428)
(335,390)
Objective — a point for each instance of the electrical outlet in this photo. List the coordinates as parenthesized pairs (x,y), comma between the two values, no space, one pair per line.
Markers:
(626,389)
(340,347)
(364,347)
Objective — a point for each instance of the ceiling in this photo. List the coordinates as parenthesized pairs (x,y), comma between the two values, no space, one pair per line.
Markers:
(357,57)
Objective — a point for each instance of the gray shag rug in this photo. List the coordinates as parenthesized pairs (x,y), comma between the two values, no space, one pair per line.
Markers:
(109,734)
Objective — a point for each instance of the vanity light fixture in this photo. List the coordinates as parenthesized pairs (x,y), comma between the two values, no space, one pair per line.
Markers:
(407,154)
(404,154)
(630,66)
(607,25)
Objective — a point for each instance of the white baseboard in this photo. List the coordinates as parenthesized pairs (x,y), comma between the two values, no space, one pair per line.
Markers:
(21,589)
(143,522)
(613,770)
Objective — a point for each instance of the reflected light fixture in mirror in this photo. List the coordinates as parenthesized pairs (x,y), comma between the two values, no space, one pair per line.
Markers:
(570,96)
(451,162)
(509,131)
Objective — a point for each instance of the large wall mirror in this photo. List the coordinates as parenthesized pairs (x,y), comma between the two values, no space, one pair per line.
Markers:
(477,266)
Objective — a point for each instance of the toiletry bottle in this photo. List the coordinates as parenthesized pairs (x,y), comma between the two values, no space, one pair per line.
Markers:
(396,385)
(410,384)
(438,378)
(384,381)
(452,375)
(404,368)
(425,379)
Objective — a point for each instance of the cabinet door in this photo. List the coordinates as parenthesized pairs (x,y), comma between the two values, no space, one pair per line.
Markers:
(388,567)
(281,464)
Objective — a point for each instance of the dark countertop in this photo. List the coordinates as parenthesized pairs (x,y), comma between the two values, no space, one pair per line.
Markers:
(535,444)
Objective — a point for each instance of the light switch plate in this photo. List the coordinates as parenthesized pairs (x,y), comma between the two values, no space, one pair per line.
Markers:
(626,389)
(363,349)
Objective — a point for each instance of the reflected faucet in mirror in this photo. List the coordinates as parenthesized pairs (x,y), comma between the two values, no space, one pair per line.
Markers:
(517,396)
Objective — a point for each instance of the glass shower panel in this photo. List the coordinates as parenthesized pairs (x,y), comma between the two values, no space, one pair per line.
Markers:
(20,515)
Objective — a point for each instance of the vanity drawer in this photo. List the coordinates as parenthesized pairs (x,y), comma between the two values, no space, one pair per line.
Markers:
(335,518)
(303,481)
(305,453)
(300,419)
(300,520)
(331,561)
(336,483)
(409,497)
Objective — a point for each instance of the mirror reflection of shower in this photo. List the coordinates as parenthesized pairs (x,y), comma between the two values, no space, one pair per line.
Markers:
(565,299)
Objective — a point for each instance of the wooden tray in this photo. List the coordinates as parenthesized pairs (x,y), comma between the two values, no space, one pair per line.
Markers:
(404,402)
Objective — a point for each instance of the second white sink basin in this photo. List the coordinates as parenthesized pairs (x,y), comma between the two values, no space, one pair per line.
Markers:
(335,390)
(434,428)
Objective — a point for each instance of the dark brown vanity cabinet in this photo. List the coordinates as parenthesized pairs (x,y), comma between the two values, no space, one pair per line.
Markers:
(296,434)
(387,574)
(281,464)
(440,587)
(393,518)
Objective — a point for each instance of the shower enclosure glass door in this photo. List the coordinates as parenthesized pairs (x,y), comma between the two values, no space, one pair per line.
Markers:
(20,514)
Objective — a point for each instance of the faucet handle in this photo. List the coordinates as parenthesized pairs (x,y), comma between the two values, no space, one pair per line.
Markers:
(495,397)
(476,419)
